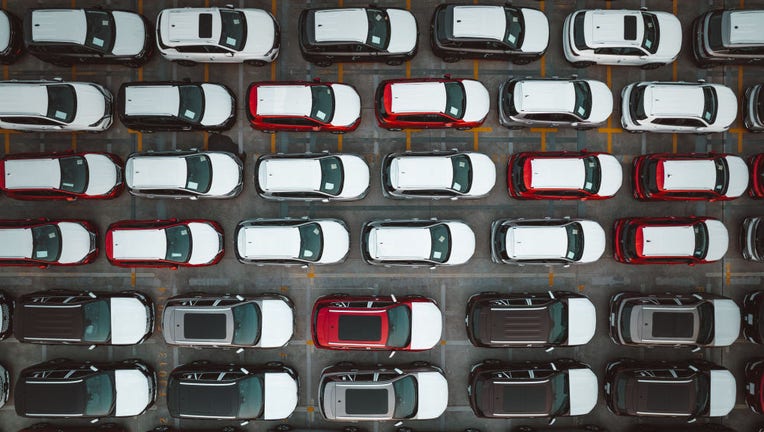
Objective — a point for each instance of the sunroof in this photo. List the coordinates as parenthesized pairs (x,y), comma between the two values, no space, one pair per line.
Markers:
(204,326)
(205,25)
(673,324)
(525,398)
(630,27)
(360,328)
(366,401)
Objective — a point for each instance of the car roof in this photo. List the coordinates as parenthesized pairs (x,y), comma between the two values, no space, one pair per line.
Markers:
(189,26)
(745,27)
(401,243)
(167,171)
(523,397)
(365,327)
(144,243)
(341,25)
(16,242)
(666,240)
(537,242)
(422,172)
(545,96)
(667,100)
(160,100)
(472,21)
(24,98)
(557,173)
(270,242)
(42,172)
(40,322)
(290,174)
(697,174)
(412,97)
(56,398)
(59,25)
(610,28)
(205,325)
(292,100)
(659,396)
(208,399)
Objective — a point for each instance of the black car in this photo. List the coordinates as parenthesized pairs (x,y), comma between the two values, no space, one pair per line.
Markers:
(584,428)
(11,25)
(289,428)
(65,37)
(5,385)
(753,317)
(100,427)
(173,429)
(6,312)
(708,427)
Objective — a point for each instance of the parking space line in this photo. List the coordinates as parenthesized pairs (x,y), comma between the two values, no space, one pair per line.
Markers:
(74,141)
(339,142)
(139,137)
(674,138)
(273,143)
(206,72)
(340,72)
(475,69)
(74,73)
(206,140)
(738,130)
(543,131)
(7,142)
(6,73)
(408,68)
(551,277)
(408,140)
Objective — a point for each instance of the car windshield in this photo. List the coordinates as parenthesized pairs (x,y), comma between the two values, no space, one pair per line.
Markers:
(191,103)
(379,28)
(650,42)
(62,102)
(246,324)
(250,397)
(198,173)
(455,100)
(233,32)
(311,241)
(462,173)
(702,396)
(583,105)
(514,35)
(178,243)
(46,243)
(709,101)
(619,393)
(637,102)
(100,30)
(575,241)
(706,320)
(331,175)
(399,323)
(561,402)
(100,394)
(592,174)
(74,174)
(323,103)
(558,318)
(759,105)
(722,175)
(405,397)
(701,240)
(441,243)
(96,317)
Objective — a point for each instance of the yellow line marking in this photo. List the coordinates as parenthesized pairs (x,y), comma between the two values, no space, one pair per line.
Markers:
(673,143)
(543,66)
(132,278)
(309,342)
(310,409)
(607,4)
(274,3)
(741,109)
(5,4)
(7,143)
(727,273)
(284,288)
(273,70)
(408,4)
(475,69)
(340,72)
(140,7)
(739,132)
(74,3)
(206,140)
(341,3)
(475,140)
(581,288)
(609,76)
(408,68)
(339,142)
(541,5)
(443,341)
(140,73)
(273,143)
(206,72)
(543,132)
(551,277)
(74,141)
(311,272)
(484,129)
(139,136)
(742,4)
(74,71)
(408,140)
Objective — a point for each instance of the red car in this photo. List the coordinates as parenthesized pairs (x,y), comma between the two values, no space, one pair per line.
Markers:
(345,322)
(563,175)
(61,176)
(164,243)
(303,106)
(431,103)
(756,168)
(693,176)
(669,240)
(754,385)
(42,242)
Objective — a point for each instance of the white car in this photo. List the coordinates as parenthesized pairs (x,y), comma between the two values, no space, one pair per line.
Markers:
(417,242)
(292,241)
(308,177)
(452,174)
(54,106)
(44,243)
(677,107)
(217,35)
(621,37)
(546,241)
(554,102)
(184,174)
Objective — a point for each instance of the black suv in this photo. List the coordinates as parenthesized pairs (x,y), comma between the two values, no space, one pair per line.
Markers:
(10,52)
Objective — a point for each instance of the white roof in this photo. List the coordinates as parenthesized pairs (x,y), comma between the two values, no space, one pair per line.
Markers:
(75,242)
(270,242)
(421,172)
(545,96)
(23,98)
(156,172)
(418,97)
(341,25)
(745,27)
(432,395)
(42,173)
(665,100)
(139,244)
(293,100)
(537,242)
(479,22)
(426,325)
(128,320)
(726,322)
(606,28)
(400,243)
(697,174)
(59,25)
(582,321)
(723,393)
(159,100)
(279,395)
(584,391)
(668,240)
(290,175)
(132,392)
(557,173)
(15,243)
(181,26)
(276,324)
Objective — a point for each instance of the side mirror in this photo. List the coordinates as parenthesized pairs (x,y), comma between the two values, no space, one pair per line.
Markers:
(392,353)
(552,420)
(70,199)
(395,299)
(317,79)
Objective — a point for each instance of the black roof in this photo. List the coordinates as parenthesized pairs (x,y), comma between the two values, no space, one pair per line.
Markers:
(204,326)
(670,396)
(56,321)
(525,398)
(360,328)
(46,397)
(206,399)
(366,401)
(673,324)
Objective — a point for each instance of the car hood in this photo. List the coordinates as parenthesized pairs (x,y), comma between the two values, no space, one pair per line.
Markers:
(582,321)
(602,101)
(130,34)
(738,176)
(426,325)
(718,240)
(723,393)
(206,243)
(670,35)
(91,104)
(280,395)
(462,243)
(277,323)
(261,31)
(129,320)
(102,174)
(347,105)
(477,101)
(356,176)
(726,112)
(75,242)
(726,322)
(133,392)
(612,175)
(226,174)
(219,106)
(594,241)
(584,391)
(483,174)
(432,395)
(5,31)
(537,28)
(336,242)
(403,31)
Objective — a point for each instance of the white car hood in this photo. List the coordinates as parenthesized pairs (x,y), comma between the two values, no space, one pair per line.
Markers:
(612,175)
(582,321)
(277,323)
(347,105)
(426,325)
(260,32)
(75,242)
(726,112)
(738,176)
(477,101)
(5,31)
(462,243)
(336,242)
(133,392)
(584,391)
(670,35)
(483,174)
(718,240)
(594,241)
(723,393)
(91,104)
(726,322)
(129,318)
(130,31)
(226,174)
(205,243)
(102,174)
(280,396)
(602,101)
(432,395)
(356,176)
(403,31)
(218,105)
(537,31)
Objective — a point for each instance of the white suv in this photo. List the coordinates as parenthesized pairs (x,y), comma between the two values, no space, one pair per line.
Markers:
(217,35)
(677,107)
(621,37)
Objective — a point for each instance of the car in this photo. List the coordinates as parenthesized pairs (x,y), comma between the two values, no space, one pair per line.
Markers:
(677,107)
(372,34)
(726,36)
(756,168)
(563,175)
(349,392)
(516,320)
(312,177)
(100,427)
(460,31)
(204,390)
(682,320)
(753,317)
(691,176)
(753,107)
(431,103)
(189,36)
(413,242)
(584,428)
(554,102)
(6,315)
(207,320)
(754,377)
(5,385)
(669,240)
(436,175)
(65,37)
(64,388)
(706,427)
(165,428)
(61,176)
(170,243)
(649,39)
(689,389)
(546,241)
(43,242)
(55,106)
(176,106)
(83,317)
(292,241)
(363,322)
(558,388)
(303,106)
(12,45)
(193,174)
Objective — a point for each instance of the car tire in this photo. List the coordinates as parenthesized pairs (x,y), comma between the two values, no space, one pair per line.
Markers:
(324,63)
(187,63)
(257,63)
(394,62)
(582,64)
(450,59)
(651,66)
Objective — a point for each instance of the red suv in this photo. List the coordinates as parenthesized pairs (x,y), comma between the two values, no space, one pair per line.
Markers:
(756,168)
